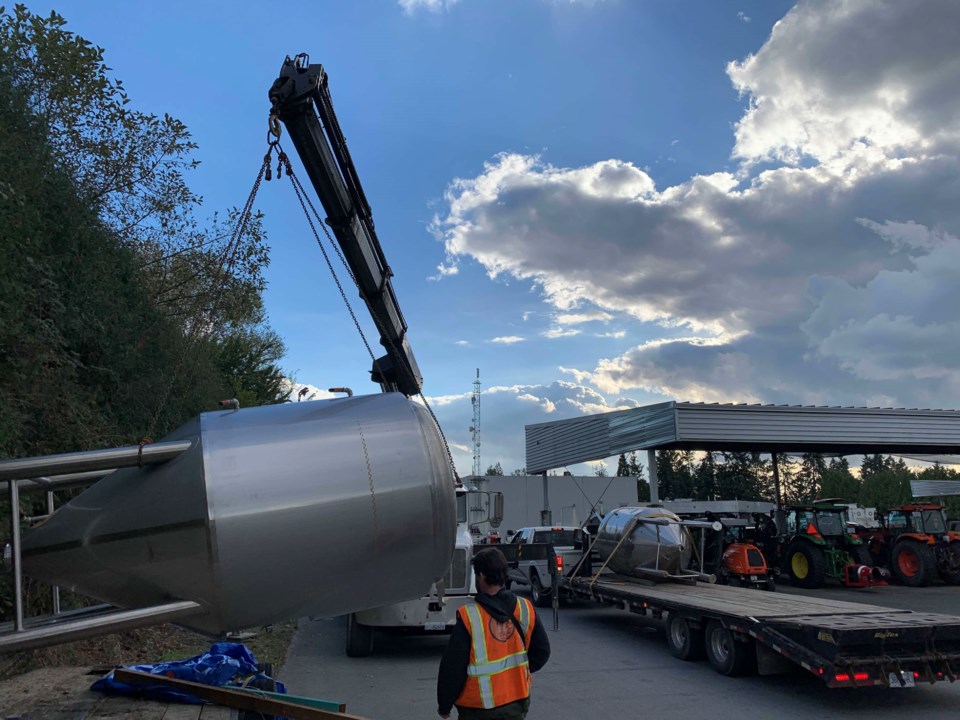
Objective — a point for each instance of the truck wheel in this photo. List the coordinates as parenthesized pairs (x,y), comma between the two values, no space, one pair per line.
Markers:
(806,564)
(541,596)
(684,640)
(727,655)
(949,566)
(359,638)
(913,563)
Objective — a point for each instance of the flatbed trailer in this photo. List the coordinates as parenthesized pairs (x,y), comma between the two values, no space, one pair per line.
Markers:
(741,630)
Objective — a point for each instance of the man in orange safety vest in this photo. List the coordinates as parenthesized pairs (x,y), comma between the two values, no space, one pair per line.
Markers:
(495,646)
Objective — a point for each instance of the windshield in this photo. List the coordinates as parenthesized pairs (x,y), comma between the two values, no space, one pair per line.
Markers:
(461,508)
(933,522)
(830,523)
(556,537)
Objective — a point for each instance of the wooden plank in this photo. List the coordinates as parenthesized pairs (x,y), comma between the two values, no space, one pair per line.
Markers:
(735,601)
(756,605)
(239,699)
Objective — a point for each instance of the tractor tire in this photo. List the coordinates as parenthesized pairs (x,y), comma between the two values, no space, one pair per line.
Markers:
(861,555)
(806,564)
(913,563)
(949,565)
(684,640)
(727,655)
(359,638)
(541,595)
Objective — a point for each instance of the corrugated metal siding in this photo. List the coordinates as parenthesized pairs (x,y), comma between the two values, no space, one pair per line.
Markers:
(780,428)
(772,424)
(567,442)
(934,488)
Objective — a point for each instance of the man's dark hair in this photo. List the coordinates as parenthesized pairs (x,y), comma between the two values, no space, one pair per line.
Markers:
(493,565)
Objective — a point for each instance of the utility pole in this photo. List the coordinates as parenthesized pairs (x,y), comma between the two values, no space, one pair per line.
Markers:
(475,428)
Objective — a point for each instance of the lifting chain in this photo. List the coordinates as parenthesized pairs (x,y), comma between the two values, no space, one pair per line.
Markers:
(283,164)
(227,260)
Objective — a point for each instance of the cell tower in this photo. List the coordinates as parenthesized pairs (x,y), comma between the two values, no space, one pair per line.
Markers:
(475,428)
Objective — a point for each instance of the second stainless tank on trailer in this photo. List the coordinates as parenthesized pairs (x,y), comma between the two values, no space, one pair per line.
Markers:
(644,542)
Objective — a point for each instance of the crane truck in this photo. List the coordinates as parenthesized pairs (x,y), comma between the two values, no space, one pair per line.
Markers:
(300,99)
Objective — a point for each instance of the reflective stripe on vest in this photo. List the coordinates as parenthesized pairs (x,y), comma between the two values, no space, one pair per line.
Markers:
(479,636)
(482,669)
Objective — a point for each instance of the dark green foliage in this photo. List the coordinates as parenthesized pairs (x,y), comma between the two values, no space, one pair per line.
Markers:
(120,317)
(839,482)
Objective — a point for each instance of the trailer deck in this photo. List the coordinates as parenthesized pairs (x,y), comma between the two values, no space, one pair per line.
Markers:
(843,643)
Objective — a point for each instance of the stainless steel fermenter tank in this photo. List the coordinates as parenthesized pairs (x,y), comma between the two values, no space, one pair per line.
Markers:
(312,508)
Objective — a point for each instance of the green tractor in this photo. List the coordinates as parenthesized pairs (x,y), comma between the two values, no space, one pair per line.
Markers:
(813,543)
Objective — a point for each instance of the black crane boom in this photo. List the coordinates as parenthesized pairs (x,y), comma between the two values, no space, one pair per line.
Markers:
(300,98)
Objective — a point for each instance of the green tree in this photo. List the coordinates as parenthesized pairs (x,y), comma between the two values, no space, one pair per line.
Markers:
(705,478)
(839,482)
(809,477)
(495,469)
(737,477)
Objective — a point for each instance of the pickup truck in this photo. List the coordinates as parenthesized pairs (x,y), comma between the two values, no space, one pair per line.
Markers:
(532,549)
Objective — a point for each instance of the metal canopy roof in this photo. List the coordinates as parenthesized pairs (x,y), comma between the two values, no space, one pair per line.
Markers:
(752,428)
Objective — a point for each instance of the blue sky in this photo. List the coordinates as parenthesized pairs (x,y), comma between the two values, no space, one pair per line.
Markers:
(772,230)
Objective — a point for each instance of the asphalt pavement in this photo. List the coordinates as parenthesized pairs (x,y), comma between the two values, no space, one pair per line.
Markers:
(608,663)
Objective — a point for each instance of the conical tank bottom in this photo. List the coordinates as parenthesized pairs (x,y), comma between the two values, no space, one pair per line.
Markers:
(314,508)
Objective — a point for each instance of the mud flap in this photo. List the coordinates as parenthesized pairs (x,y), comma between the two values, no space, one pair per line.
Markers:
(770,662)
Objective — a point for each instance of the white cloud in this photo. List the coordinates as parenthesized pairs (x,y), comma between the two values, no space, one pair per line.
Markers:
(743,16)
(579,318)
(559,332)
(410,6)
(821,270)
(507,339)
(612,334)
(441,400)
(462,342)
(856,80)
(444,270)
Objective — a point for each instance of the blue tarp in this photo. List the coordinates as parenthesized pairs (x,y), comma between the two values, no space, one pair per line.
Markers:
(224,664)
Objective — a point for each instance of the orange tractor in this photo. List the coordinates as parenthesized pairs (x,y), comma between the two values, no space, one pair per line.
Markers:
(916,545)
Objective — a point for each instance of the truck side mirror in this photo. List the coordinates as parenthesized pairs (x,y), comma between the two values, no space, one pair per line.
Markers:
(496,509)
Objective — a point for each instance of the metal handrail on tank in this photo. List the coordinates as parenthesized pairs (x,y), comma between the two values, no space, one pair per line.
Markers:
(57,472)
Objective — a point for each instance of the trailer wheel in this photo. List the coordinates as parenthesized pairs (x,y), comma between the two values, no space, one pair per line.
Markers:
(359,638)
(727,655)
(684,640)
(913,563)
(541,596)
(806,564)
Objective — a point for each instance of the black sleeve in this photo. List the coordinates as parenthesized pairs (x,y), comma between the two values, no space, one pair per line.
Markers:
(453,668)
(539,651)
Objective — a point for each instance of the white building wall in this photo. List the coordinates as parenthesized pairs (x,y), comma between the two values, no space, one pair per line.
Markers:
(571,497)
